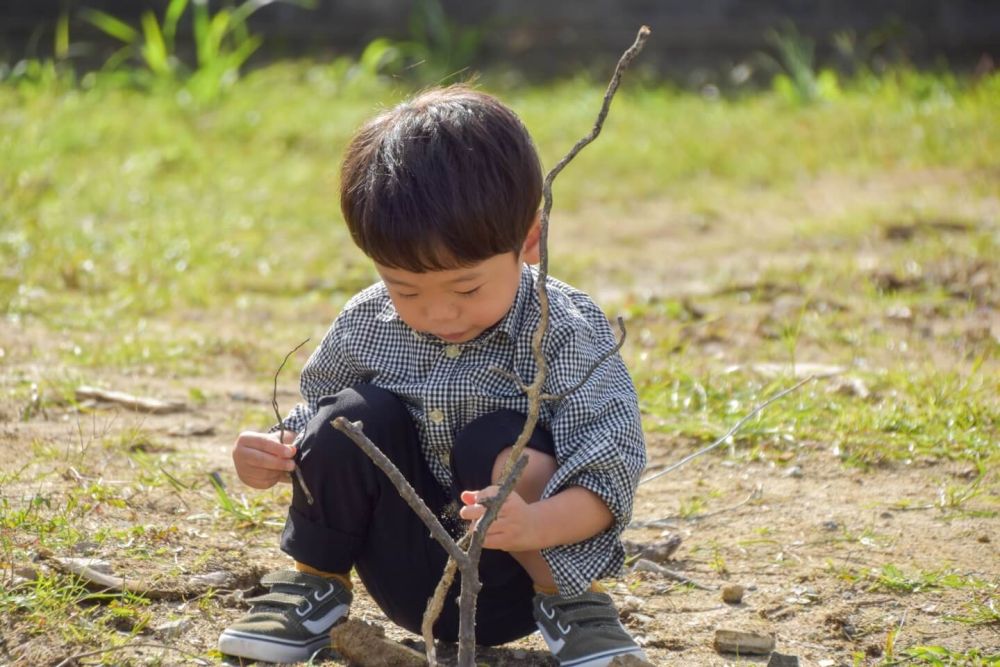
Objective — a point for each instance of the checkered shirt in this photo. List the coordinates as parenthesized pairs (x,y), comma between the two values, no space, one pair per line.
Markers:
(596,429)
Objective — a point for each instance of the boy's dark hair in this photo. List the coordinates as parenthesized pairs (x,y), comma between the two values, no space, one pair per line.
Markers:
(444,180)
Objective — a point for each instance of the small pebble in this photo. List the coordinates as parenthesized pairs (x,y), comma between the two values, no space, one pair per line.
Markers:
(782,660)
(218,579)
(732,594)
(173,628)
(631,604)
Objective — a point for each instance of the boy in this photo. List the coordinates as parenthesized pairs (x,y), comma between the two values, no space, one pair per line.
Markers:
(442,193)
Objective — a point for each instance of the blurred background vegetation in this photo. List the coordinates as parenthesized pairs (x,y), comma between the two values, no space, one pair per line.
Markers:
(168,184)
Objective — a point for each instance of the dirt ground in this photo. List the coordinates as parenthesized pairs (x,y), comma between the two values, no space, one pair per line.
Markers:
(800,545)
(808,538)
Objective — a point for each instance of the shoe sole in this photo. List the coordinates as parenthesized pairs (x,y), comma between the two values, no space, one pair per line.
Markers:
(269,649)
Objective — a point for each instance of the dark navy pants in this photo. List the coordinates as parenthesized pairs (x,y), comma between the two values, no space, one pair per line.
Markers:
(359,520)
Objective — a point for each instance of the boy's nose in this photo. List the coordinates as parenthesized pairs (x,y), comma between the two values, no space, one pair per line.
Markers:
(441,312)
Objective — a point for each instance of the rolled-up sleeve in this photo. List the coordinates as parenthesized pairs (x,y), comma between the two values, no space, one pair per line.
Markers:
(598,439)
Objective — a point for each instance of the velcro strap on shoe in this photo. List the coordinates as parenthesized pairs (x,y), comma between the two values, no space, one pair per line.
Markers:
(293,578)
(587,615)
(277,599)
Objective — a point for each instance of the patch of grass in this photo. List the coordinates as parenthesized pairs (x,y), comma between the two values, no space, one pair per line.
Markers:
(984,610)
(940,656)
(891,578)
(253,513)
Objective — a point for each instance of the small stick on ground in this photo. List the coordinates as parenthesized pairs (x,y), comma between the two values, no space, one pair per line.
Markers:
(71,660)
(643,565)
(669,520)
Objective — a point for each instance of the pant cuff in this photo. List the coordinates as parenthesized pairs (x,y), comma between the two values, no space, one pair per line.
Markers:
(317,545)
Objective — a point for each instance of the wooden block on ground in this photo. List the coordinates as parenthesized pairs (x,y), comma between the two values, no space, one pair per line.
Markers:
(743,643)
(365,645)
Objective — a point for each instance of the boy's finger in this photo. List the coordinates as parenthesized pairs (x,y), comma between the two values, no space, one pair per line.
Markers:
(267,445)
(472,512)
(261,459)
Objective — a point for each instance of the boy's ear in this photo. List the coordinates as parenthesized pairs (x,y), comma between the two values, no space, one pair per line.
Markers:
(531,251)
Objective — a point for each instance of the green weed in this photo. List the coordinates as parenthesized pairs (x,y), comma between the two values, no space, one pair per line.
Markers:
(940,656)
(891,578)
(981,611)
(438,50)
(799,80)
(247,514)
(223,43)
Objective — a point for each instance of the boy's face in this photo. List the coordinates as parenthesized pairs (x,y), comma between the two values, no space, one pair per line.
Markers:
(456,305)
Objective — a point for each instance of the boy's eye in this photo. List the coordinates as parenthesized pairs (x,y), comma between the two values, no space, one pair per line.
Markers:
(470,292)
(405,296)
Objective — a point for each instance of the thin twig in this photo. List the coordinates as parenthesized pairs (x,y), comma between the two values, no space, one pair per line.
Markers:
(353,431)
(436,602)
(669,520)
(281,422)
(593,367)
(623,64)
(734,429)
(434,606)
(115,585)
(503,372)
(73,658)
(643,565)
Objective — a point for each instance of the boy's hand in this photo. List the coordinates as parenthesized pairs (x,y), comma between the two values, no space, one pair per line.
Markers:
(261,460)
(515,528)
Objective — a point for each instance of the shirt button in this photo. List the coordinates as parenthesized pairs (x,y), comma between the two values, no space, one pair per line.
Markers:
(452,351)
(436,416)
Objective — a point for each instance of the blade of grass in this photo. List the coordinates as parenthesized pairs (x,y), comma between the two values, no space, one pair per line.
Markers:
(110,25)
(154,49)
(170,19)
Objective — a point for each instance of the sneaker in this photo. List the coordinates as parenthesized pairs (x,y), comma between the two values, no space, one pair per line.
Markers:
(289,623)
(583,631)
